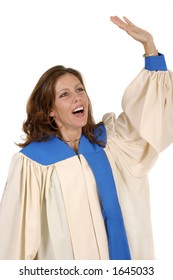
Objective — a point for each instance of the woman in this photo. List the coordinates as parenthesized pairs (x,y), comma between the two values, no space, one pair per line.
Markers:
(79,190)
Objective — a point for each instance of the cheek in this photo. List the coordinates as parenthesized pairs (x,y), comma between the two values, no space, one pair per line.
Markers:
(62,111)
(87,100)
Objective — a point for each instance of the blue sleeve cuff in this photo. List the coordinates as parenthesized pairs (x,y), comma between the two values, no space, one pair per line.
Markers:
(155,63)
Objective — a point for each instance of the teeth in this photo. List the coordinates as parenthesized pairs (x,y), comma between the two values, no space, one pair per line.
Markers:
(78,109)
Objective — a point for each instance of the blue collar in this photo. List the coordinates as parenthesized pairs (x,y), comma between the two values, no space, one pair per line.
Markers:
(55,150)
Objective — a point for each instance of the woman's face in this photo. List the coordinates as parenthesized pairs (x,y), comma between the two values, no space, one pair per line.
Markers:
(70,110)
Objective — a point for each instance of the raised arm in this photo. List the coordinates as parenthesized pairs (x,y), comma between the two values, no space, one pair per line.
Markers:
(138,34)
(144,128)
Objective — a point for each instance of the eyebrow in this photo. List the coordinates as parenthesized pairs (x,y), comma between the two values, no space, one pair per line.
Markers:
(68,88)
(62,90)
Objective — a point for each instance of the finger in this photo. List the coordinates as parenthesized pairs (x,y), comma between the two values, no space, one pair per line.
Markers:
(119,22)
(114,18)
(128,21)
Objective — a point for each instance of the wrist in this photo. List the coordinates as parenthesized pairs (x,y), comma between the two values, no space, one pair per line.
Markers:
(150,54)
(150,48)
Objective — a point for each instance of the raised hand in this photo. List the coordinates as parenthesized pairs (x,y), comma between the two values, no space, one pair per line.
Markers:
(136,33)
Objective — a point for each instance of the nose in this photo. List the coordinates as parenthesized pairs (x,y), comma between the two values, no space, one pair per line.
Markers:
(76,98)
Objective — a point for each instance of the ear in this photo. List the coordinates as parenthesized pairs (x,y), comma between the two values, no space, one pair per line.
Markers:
(51,113)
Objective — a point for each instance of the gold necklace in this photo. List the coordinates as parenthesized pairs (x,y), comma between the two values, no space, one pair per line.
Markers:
(68,141)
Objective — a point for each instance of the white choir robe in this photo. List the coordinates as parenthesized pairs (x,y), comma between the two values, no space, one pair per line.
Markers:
(53,211)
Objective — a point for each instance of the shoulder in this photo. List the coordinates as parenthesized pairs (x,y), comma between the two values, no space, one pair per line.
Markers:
(45,153)
(109,120)
(100,133)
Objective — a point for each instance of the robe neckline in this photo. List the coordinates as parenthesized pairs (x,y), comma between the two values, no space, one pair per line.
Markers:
(54,149)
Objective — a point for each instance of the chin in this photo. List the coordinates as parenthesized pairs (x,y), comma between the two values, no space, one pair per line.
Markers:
(83,123)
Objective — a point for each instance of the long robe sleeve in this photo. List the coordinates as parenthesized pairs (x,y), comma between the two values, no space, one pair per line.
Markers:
(148,103)
(20,212)
(145,127)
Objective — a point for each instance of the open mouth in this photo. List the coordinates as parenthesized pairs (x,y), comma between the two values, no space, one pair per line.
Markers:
(78,111)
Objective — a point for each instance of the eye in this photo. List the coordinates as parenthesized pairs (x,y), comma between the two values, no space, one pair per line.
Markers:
(64,94)
(80,89)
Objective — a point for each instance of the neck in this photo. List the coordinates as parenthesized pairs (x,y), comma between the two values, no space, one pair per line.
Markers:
(73,144)
(71,138)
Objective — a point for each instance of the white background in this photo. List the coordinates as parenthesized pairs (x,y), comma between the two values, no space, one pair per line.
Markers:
(38,34)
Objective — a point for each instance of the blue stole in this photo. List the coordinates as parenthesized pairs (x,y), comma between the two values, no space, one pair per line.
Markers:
(55,150)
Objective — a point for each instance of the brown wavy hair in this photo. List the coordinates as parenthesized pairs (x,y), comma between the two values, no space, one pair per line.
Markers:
(39,126)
